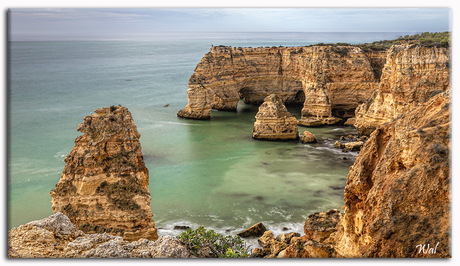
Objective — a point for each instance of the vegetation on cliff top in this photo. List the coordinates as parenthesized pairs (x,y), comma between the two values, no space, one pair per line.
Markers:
(427,39)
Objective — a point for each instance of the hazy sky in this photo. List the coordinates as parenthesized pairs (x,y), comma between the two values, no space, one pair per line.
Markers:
(94,23)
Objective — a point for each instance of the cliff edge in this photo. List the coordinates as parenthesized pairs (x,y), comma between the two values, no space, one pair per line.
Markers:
(411,75)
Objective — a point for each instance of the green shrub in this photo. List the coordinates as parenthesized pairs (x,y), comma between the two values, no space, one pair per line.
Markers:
(221,246)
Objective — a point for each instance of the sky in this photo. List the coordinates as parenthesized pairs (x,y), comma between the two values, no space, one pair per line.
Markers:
(89,23)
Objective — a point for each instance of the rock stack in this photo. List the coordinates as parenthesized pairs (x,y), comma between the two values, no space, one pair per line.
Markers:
(317,110)
(274,121)
(104,185)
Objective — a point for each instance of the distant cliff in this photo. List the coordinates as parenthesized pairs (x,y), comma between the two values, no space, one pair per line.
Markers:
(104,185)
(343,75)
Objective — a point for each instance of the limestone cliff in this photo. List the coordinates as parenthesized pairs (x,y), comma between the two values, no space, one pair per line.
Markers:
(274,121)
(411,75)
(104,185)
(398,190)
(226,74)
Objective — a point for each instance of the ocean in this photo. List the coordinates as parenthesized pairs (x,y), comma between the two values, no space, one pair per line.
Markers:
(209,173)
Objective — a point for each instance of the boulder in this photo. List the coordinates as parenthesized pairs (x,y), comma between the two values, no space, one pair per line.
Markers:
(354,146)
(307,137)
(266,237)
(339,145)
(258,253)
(254,231)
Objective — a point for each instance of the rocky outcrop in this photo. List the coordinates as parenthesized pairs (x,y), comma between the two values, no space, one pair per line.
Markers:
(341,75)
(104,185)
(57,237)
(307,137)
(412,74)
(274,121)
(317,241)
(397,198)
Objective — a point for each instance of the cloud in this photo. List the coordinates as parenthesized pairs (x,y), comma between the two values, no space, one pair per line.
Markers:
(75,14)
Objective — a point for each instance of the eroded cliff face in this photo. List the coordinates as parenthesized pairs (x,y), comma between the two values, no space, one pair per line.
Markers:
(397,198)
(226,74)
(410,76)
(104,185)
(274,121)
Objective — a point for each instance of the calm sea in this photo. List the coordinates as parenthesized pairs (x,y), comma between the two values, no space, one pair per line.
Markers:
(209,173)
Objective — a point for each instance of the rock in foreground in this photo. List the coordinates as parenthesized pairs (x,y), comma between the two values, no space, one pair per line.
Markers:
(398,193)
(56,237)
(256,230)
(274,121)
(104,185)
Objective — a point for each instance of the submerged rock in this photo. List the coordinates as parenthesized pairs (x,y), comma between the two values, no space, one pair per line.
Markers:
(255,230)
(104,184)
(181,227)
(274,121)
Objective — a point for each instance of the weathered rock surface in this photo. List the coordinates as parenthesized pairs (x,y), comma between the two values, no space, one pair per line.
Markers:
(411,75)
(354,146)
(350,122)
(286,238)
(56,237)
(256,230)
(266,237)
(318,241)
(340,78)
(307,137)
(398,190)
(319,226)
(104,185)
(274,121)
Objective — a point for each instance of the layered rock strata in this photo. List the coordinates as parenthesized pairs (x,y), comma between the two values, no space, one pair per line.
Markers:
(341,75)
(104,185)
(411,75)
(397,197)
(274,121)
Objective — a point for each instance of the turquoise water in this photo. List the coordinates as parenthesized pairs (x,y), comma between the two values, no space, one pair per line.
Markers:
(208,173)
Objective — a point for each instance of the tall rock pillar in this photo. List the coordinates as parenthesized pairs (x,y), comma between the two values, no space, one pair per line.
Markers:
(104,185)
